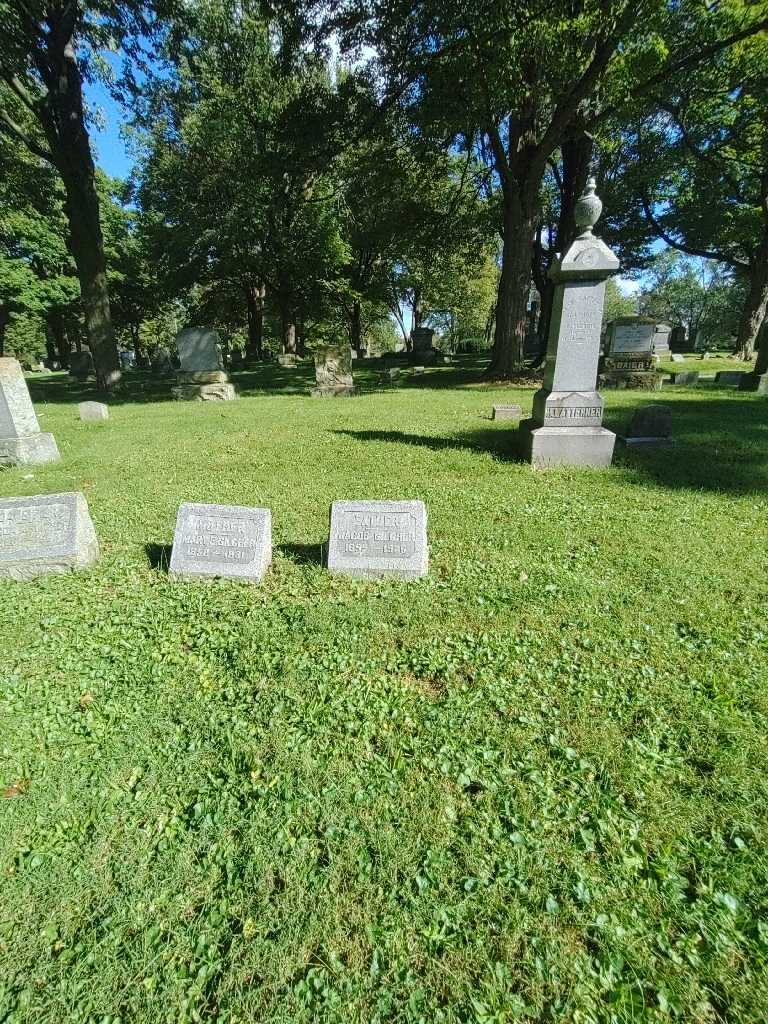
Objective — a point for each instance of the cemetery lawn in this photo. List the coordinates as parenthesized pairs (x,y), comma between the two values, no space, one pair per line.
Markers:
(529,787)
(714,364)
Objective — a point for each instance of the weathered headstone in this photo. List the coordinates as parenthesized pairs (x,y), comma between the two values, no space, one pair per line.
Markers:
(333,372)
(661,340)
(754,382)
(21,441)
(221,541)
(676,357)
(81,365)
(393,373)
(650,426)
(729,377)
(678,341)
(376,538)
(45,533)
(507,412)
(687,377)
(93,412)
(286,360)
(201,376)
(565,428)
(629,361)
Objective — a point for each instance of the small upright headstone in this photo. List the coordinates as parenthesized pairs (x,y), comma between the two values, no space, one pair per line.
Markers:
(676,357)
(81,365)
(377,538)
(729,377)
(688,377)
(201,376)
(661,340)
(419,371)
(221,541)
(651,426)
(754,382)
(45,533)
(21,441)
(286,360)
(507,412)
(93,412)
(566,425)
(333,372)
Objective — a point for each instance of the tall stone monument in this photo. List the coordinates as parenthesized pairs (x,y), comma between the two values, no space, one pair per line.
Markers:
(565,428)
(333,372)
(21,441)
(201,377)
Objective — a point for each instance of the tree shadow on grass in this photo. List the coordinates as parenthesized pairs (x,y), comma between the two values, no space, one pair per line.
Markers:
(159,556)
(504,445)
(303,554)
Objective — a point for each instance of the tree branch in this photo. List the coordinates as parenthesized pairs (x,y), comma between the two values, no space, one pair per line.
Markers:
(721,257)
(9,126)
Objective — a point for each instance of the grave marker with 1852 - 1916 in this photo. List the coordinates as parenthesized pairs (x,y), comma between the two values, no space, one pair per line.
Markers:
(377,538)
(229,541)
(44,534)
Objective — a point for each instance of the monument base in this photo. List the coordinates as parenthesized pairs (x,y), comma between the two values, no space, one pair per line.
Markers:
(630,380)
(754,382)
(341,392)
(32,450)
(202,377)
(204,392)
(567,446)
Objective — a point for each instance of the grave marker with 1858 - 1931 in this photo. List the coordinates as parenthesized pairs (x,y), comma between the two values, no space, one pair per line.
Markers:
(228,541)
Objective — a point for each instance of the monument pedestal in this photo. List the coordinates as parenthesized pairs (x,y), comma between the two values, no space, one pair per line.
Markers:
(567,446)
(32,450)
(202,377)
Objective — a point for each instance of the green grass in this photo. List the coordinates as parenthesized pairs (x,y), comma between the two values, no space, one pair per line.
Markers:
(713,365)
(531,786)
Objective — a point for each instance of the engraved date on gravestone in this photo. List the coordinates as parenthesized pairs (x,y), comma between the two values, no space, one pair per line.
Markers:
(34,528)
(368,538)
(222,540)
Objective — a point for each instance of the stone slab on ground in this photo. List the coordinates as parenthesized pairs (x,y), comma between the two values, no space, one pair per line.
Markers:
(507,412)
(340,392)
(229,541)
(204,392)
(677,358)
(378,538)
(93,412)
(45,534)
(754,382)
(21,442)
(202,377)
(729,377)
(686,377)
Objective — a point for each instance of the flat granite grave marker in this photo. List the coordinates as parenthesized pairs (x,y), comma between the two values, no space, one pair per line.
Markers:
(44,534)
(650,427)
(93,412)
(378,538)
(229,541)
(565,428)
(756,381)
(21,441)
(689,377)
(729,377)
(507,412)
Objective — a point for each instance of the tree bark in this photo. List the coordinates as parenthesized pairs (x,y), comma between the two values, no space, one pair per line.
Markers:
(63,120)
(756,303)
(356,327)
(254,297)
(520,210)
(60,338)
(289,335)
(761,363)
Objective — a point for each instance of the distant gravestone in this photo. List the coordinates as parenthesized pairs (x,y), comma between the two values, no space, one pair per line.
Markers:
(729,377)
(661,340)
(377,538)
(393,373)
(81,365)
(507,412)
(754,382)
(333,372)
(45,533)
(566,425)
(687,377)
(651,426)
(221,541)
(201,376)
(676,357)
(418,371)
(21,441)
(629,361)
(286,359)
(93,412)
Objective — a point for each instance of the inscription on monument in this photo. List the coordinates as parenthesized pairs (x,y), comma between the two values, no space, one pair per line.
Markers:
(369,538)
(222,540)
(35,528)
(46,533)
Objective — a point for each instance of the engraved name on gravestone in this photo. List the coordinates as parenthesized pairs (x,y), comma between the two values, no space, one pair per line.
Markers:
(21,441)
(636,337)
(45,533)
(222,540)
(375,538)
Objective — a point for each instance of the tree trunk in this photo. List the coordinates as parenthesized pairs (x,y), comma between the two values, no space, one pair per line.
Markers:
(356,327)
(254,297)
(520,208)
(58,331)
(755,305)
(64,123)
(761,363)
(5,316)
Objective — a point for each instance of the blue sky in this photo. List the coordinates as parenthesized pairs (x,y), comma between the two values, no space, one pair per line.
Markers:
(110,150)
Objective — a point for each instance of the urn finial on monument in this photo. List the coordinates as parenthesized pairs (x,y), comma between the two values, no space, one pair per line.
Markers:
(566,426)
